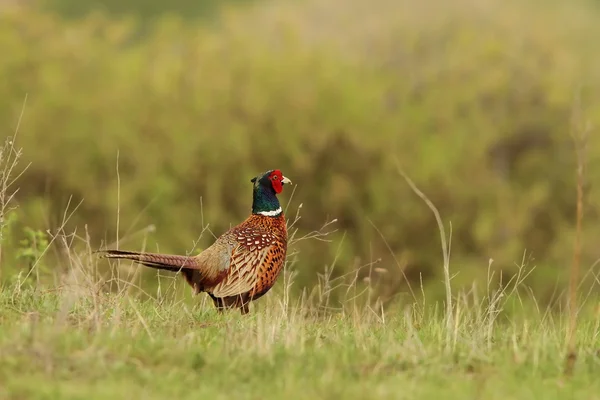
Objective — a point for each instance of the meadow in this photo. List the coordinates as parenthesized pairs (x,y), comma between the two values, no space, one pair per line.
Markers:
(55,346)
(78,340)
(443,215)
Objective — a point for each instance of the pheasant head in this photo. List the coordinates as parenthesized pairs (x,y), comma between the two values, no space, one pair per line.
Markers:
(266,188)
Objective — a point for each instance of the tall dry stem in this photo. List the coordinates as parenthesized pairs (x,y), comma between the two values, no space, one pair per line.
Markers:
(9,159)
(446,245)
(579,134)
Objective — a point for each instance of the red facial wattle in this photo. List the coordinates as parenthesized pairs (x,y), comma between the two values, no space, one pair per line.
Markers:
(276,178)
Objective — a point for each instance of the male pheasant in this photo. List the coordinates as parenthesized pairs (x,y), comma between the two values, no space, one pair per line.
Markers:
(243,263)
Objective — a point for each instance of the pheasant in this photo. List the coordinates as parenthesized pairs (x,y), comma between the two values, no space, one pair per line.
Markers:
(244,262)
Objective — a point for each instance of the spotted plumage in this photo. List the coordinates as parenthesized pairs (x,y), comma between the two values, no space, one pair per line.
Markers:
(243,263)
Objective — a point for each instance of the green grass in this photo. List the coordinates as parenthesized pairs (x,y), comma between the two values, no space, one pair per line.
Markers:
(77,341)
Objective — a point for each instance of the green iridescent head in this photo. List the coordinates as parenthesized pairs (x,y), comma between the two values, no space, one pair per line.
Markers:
(266,188)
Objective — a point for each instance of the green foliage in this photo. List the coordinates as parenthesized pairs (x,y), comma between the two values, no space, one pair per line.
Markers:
(476,105)
(6,225)
(29,250)
(32,247)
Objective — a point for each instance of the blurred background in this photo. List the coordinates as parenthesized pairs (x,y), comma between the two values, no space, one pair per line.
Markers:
(476,100)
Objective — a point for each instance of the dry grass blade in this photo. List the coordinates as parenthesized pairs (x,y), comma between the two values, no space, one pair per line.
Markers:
(579,134)
(445,247)
(9,159)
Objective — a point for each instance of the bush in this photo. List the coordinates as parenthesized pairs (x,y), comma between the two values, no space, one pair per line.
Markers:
(476,107)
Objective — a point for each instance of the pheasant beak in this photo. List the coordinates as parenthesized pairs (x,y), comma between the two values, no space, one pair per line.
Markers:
(285,181)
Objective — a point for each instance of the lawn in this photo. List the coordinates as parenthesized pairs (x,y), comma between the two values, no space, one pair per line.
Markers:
(76,342)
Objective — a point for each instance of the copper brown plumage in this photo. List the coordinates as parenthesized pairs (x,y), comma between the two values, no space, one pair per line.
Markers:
(244,262)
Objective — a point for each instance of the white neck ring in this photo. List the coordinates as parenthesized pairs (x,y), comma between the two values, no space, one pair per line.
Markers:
(273,213)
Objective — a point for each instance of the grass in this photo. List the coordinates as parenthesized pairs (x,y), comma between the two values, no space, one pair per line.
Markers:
(68,343)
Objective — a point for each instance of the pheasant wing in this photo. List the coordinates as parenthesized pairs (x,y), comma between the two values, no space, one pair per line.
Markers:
(254,246)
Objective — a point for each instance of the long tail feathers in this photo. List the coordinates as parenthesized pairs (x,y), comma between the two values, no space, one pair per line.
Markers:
(167,262)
